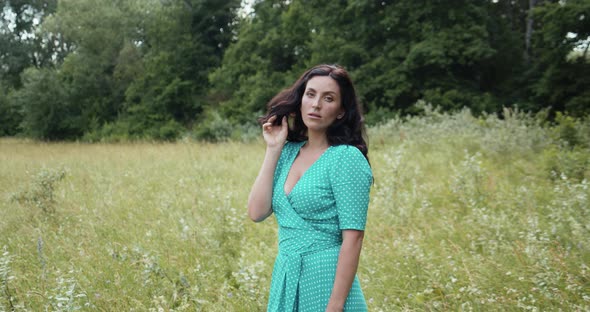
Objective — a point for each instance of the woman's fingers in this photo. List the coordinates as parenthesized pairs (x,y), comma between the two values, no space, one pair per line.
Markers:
(275,134)
(269,122)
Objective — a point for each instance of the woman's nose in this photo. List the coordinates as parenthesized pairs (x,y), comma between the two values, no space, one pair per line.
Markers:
(316,103)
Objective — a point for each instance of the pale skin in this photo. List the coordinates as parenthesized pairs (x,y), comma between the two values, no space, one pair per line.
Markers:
(320,107)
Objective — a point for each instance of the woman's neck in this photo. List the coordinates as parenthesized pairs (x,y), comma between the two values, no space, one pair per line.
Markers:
(317,141)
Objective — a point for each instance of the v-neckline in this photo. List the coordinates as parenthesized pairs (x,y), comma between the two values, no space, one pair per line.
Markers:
(304,173)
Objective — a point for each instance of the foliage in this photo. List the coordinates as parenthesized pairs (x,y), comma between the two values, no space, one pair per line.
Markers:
(568,131)
(67,296)
(567,163)
(214,128)
(47,112)
(246,81)
(140,63)
(128,70)
(467,213)
(10,116)
(182,45)
(124,130)
(99,72)
(568,157)
(21,48)
(562,80)
(41,191)
(8,301)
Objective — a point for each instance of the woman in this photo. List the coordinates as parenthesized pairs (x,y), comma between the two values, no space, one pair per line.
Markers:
(316,178)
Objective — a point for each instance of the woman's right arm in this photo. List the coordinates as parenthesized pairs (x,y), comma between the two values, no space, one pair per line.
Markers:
(260,199)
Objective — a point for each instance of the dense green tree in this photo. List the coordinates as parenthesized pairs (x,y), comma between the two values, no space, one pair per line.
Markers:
(506,27)
(246,79)
(184,40)
(477,54)
(47,114)
(273,47)
(153,69)
(98,73)
(10,116)
(562,77)
(20,44)
(21,47)
(397,51)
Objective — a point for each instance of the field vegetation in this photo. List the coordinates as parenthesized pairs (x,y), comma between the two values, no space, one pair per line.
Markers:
(466,214)
(112,70)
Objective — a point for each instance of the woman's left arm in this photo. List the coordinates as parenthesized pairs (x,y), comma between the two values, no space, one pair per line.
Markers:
(348,260)
(351,183)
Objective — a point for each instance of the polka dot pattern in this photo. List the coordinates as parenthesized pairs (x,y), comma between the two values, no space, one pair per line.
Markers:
(332,195)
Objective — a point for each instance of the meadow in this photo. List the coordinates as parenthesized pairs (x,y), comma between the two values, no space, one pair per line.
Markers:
(466,214)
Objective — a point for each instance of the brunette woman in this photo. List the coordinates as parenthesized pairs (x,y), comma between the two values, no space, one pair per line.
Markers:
(316,179)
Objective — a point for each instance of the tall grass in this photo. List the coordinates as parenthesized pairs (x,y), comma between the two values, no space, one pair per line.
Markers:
(466,214)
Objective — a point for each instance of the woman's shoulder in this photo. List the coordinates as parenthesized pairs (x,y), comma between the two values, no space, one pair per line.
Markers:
(349,163)
(349,154)
(345,150)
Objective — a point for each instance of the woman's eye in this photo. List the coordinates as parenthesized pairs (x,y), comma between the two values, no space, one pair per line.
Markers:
(329,99)
(309,94)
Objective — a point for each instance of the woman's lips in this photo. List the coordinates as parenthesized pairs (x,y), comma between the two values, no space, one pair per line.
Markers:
(314,116)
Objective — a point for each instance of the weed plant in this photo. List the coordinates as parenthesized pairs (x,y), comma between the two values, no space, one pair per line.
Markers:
(466,214)
(40,192)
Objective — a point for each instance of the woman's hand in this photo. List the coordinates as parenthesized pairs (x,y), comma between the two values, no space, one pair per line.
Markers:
(275,136)
(260,199)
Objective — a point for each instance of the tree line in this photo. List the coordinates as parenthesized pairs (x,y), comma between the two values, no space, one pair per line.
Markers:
(159,69)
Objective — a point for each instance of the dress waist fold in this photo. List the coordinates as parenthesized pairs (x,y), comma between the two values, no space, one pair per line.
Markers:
(294,244)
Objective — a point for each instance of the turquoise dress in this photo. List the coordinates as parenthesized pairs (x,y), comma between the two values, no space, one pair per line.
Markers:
(331,196)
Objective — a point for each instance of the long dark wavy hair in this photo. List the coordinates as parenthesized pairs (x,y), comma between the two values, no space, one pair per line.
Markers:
(348,130)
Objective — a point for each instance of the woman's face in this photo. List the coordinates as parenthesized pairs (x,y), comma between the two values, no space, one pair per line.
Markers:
(321,104)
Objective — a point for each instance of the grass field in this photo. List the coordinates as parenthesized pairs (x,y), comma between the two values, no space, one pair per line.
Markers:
(466,214)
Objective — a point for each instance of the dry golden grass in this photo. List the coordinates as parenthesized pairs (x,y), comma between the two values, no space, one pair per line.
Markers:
(455,223)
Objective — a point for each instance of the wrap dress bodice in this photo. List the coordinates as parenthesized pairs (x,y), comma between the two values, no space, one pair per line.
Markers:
(332,195)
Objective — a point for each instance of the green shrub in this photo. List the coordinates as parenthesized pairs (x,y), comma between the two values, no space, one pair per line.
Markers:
(213,128)
(246,133)
(123,130)
(566,130)
(109,132)
(170,131)
(40,192)
(571,163)
(568,155)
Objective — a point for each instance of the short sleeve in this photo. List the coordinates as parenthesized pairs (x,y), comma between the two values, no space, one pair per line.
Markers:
(351,180)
